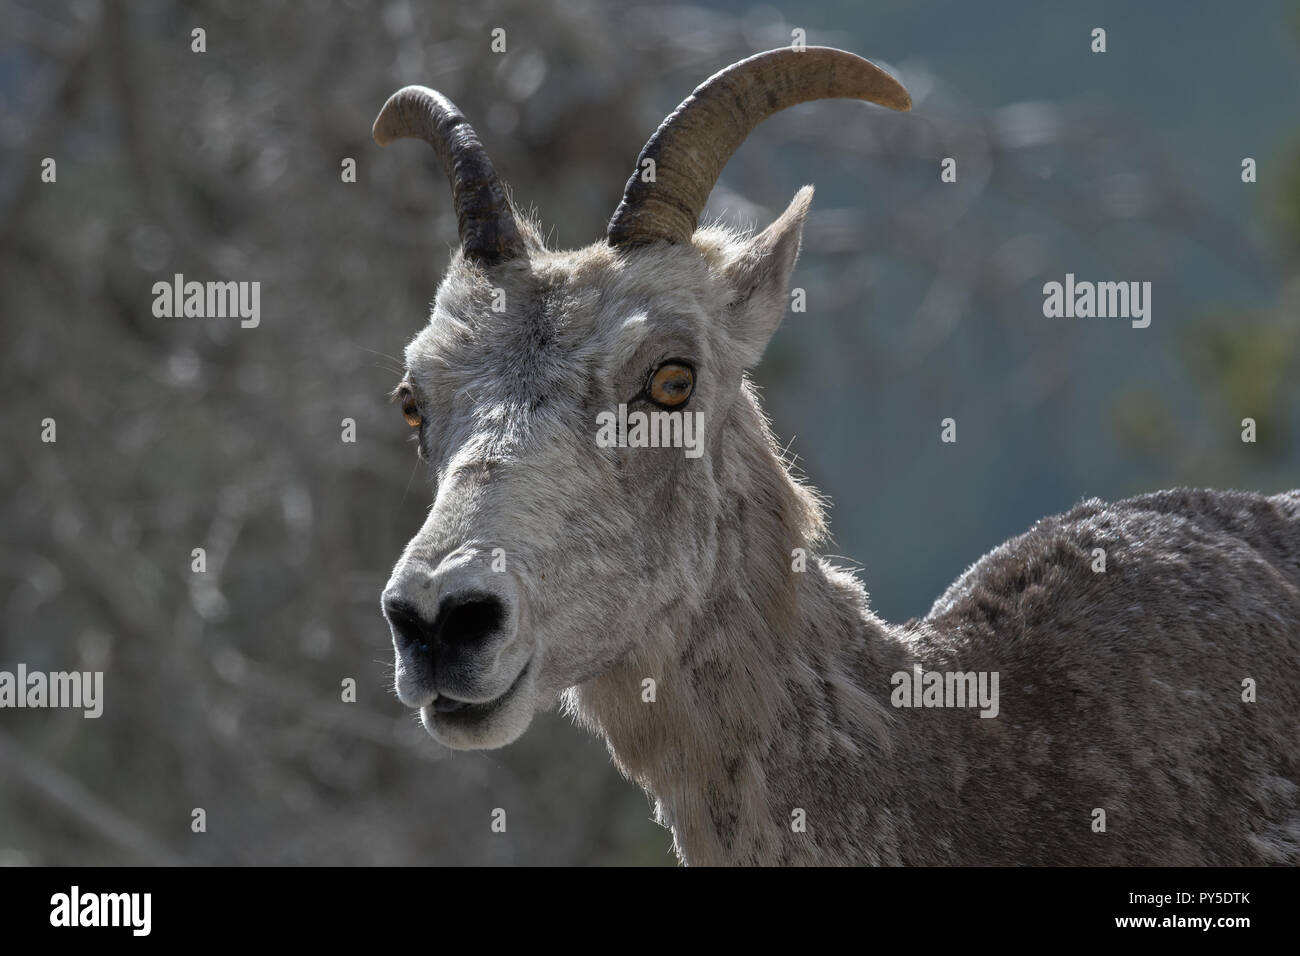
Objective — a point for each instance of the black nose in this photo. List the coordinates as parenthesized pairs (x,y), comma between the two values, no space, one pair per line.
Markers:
(463,622)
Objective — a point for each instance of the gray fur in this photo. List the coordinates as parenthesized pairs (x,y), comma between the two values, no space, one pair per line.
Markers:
(1120,690)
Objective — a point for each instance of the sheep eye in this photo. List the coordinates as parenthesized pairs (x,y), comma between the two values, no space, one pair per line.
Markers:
(671,384)
(410,410)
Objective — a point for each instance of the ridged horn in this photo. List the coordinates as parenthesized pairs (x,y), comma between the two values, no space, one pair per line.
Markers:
(693,144)
(488,232)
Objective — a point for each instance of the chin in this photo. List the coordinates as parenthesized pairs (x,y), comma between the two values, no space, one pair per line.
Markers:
(486,726)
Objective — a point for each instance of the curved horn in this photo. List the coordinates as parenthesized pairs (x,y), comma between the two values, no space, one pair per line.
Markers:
(487,225)
(693,144)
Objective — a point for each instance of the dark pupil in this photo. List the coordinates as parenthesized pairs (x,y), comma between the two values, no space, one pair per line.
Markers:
(673,382)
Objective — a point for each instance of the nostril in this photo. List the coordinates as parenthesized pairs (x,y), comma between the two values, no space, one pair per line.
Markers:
(463,620)
(470,618)
(411,628)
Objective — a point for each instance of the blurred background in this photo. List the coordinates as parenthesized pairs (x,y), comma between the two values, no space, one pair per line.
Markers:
(222,689)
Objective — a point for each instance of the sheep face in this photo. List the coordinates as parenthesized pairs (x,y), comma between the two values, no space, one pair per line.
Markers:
(562,532)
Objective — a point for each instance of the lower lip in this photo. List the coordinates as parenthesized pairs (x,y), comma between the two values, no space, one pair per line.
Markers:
(447,707)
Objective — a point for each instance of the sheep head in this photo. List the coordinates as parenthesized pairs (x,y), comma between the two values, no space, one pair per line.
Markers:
(557,547)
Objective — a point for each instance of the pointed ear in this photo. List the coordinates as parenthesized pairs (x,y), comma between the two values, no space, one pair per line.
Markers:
(760,275)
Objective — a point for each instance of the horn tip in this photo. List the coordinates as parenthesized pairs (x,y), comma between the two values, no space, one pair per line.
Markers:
(382,131)
(896,96)
(388,124)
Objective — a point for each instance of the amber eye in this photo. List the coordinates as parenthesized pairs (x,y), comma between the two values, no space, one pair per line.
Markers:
(410,410)
(671,384)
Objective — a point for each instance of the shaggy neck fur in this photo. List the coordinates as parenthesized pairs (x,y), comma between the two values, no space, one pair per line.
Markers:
(771,698)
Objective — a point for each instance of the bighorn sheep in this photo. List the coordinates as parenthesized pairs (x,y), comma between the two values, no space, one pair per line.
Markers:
(756,698)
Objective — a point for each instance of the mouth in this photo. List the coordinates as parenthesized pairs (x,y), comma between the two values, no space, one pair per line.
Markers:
(446,707)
